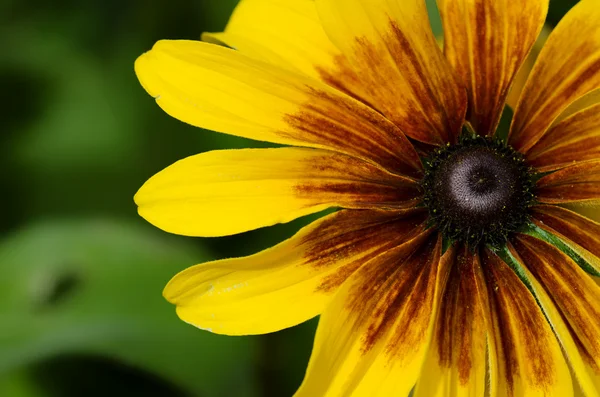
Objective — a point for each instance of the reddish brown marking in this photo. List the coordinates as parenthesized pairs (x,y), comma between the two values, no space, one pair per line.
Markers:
(485,65)
(344,79)
(408,282)
(510,298)
(569,287)
(364,244)
(353,183)
(338,121)
(412,89)
(461,323)
(416,300)
(395,295)
(360,194)
(579,229)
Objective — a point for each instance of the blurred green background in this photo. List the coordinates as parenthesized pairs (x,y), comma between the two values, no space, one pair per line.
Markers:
(81,311)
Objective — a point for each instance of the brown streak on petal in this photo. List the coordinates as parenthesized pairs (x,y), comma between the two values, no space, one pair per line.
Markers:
(344,79)
(400,48)
(366,242)
(413,303)
(461,320)
(356,193)
(342,122)
(514,306)
(407,280)
(487,41)
(392,280)
(413,88)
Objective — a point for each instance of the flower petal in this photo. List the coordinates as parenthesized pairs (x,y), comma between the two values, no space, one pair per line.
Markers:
(286,33)
(528,360)
(373,337)
(577,298)
(232,191)
(590,99)
(456,363)
(577,138)
(217,88)
(521,77)
(487,41)
(579,182)
(291,282)
(392,50)
(576,230)
(567,69)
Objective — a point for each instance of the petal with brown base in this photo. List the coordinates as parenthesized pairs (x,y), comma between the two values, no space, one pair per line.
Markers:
(220,89)
(577,298)
(293,281)
(456,362)
(577,138)
(373,337)
(226,192)
(567,69)
(575,183)
(527,358)
(391,49)
(487,41)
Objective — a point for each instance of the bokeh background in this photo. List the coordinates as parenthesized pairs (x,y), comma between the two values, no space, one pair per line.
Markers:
(81,275)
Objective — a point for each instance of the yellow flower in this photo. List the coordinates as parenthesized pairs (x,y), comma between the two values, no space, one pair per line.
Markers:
(452,266)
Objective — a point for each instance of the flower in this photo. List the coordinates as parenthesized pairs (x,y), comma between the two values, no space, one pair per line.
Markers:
(453,266)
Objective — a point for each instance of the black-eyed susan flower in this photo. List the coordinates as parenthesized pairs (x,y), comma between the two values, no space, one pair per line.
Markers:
(452,266)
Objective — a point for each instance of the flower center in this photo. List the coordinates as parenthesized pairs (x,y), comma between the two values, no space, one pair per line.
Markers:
(477,191)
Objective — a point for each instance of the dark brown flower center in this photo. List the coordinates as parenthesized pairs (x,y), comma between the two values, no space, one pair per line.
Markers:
(477,191)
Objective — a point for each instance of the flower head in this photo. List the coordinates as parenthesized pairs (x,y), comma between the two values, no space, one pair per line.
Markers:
(452,265)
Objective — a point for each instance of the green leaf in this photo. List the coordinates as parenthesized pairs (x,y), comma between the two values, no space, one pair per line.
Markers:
(504,124)
(94,287)
(434,18)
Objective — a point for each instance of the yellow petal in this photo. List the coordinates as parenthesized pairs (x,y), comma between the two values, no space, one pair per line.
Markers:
(232,191)
(391,49)
(217,88)
(286,33)
(528,358)
(567,69)
(487,41)
(577,298)
(291,282)
(456,362)
(373,337)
